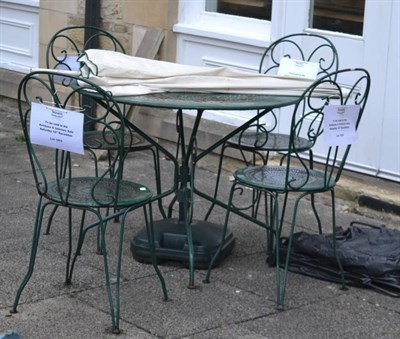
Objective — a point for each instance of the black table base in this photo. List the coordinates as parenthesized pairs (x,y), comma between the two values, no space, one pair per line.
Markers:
(171,243)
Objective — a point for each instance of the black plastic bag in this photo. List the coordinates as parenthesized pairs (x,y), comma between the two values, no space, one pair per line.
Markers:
(370,257)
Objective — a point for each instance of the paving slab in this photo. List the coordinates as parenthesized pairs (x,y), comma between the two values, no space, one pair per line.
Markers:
(345,316)
(65,317)
(188,310)
(227,332)
(48,277)
(252,274)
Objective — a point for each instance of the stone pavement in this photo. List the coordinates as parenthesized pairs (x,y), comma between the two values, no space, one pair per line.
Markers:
(239,302)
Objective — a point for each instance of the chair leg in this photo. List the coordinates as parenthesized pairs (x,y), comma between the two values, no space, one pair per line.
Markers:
(271,217)
(281,287)
(111,165)
(256,194)
(70,267)
(171,206)
(113,312)
(99,250)
(223,234)
(150,236)
(32,260)
(277,228)
(67,275)
(116,328)
(282,218)
(316,213)
(342,277)
(221,157)
(189,235)
(311,156)
(157,172)
(177,152)
(49,222)
(269,221)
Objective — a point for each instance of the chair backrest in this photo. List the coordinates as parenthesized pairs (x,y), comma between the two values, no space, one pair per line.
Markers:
(69,43)
(325,118)
(307,47)
(301,46)
(53,119)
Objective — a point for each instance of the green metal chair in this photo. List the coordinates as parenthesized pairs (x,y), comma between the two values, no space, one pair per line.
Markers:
(64,47)
(60,184)
(295,175)
(260,139)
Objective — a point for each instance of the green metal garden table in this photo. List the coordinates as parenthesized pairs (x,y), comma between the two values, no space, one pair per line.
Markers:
(184,186)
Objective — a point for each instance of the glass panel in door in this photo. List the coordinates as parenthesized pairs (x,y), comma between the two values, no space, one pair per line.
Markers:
(258,9)
(344,16)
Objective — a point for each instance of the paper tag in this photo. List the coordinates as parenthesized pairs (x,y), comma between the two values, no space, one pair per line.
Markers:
(57,128)
(340,124)
(67,63)
(298,68)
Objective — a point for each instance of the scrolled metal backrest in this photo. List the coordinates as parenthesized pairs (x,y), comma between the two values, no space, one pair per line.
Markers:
(56,165)
(308,47)
(351,87)
(70,42)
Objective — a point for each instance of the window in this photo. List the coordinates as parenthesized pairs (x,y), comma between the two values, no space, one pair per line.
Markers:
(345,16)
(258,9)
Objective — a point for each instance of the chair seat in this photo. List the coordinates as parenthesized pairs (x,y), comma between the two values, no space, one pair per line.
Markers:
(105,140)
(251,140)
(80,192)
(274,178)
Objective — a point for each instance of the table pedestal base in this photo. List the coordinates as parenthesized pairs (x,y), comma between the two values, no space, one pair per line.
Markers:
(171,243)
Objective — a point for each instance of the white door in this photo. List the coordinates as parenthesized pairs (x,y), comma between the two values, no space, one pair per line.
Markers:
(214,39)
(377,150)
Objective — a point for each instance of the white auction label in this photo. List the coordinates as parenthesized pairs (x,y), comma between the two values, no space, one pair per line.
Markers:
(298,68)
(56,127)
(340,124)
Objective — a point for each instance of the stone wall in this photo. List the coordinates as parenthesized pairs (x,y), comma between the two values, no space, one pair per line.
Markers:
(153,13)
(126,19)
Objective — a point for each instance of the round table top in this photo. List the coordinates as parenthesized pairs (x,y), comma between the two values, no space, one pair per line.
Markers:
(212,101)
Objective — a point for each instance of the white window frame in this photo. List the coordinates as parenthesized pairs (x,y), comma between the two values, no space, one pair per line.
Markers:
(194,19)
